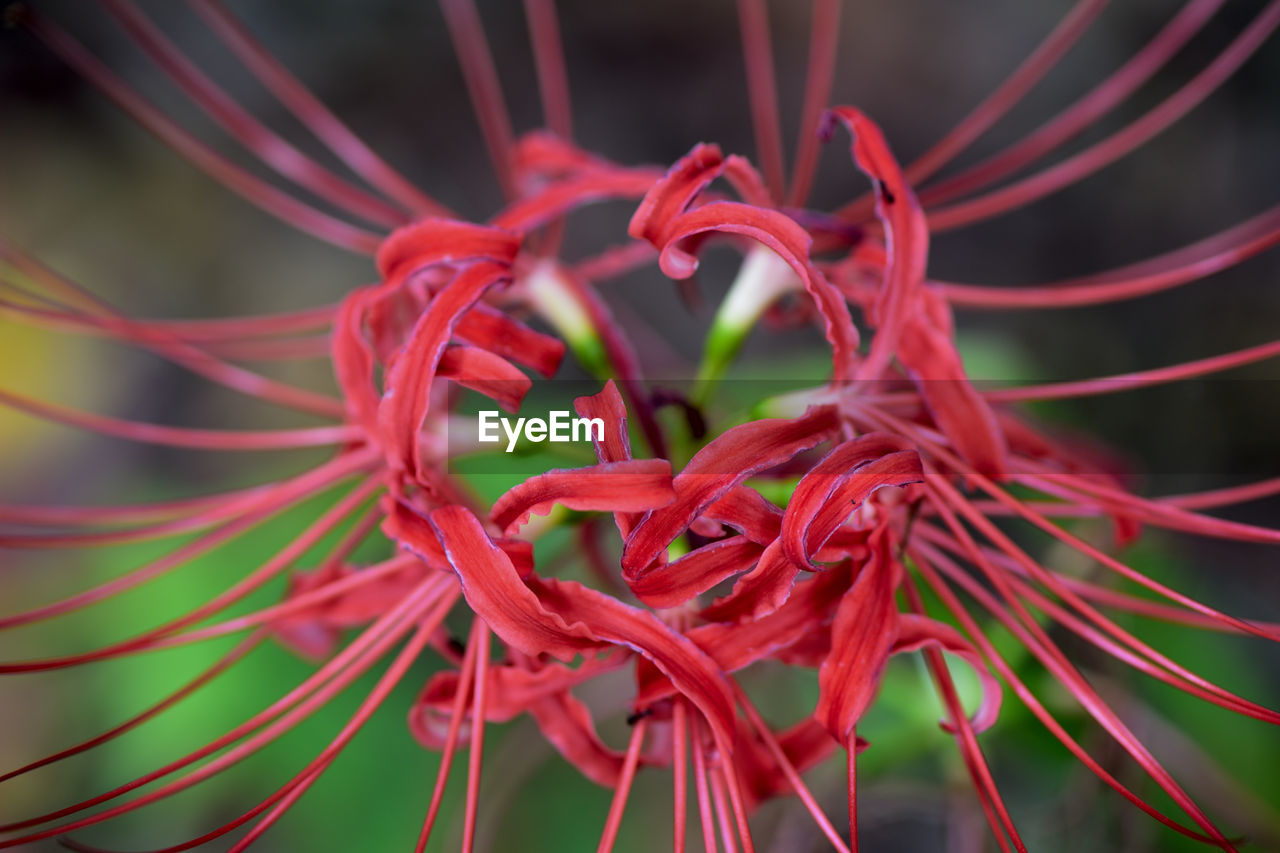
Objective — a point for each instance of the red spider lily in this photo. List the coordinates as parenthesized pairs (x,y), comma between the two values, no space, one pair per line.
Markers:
(896,469)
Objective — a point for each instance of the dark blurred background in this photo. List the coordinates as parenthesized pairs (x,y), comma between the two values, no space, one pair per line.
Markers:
(95,196)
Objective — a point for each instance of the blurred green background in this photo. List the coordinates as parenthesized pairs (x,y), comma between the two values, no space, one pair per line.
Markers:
(93,195)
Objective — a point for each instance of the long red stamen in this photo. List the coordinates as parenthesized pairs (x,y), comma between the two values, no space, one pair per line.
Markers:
(1020,82)
(323,685)
(700,777)
(548,56)
(202,439)
(358,156)
(1011,678)
(1103,153)
(623,789)
(1188,264)
(476,754)
(788,769)
(237,653)
(267,505)
(824,33)
(762,92)
(481,77)
(680,774)
(1104,97)
(247,130)
(1002,826)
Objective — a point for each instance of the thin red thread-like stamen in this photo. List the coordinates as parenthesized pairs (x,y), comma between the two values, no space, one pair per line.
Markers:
(140,513)
(1078,627)
(175,350)
(264,507)
(738,805)
(296,787)
(315,115)
(140,533)
(262,142)
(1077,488)
(262,194)
(762,92)
(475,755)
(1186,265)
(1071,121)
(947,497)
(616,261)
(1010,92)
(1137,379)
(340,671)
(788,769)
(700,784)
(622,791)
(237,653)
(680,775)
(290,792)
(294,605)
(1002,826)
(1118,144)
(1140,648)
(1225,496)
(1100,594)
(824,34)
(481,77)
(723,818)
(548,57)
(851,784)
(207,361)
(462,695)
(1011,678)
(1057,663)
(246,348)
(268,570)
(170,436)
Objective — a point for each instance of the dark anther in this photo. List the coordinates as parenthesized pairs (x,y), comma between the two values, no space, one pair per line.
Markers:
(885,194)
(457,646)
(637,716)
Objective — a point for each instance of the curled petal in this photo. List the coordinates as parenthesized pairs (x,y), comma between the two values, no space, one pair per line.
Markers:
(412,532)
(696,572)
(837,485)
(715,469)
(864,631)
(486,373)
(963,416)
(494,331)
(406,395)
(916,632)
(783,236)
(353,359)
(565,721)
(495,591)
(749,512)
(760,591)
(906,234)
(632,486)
(431,242)
(614,444)
(510,691)
(672,194)
(694,674)
(736,646)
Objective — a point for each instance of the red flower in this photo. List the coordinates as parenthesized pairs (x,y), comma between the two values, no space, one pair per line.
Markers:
(894,471)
